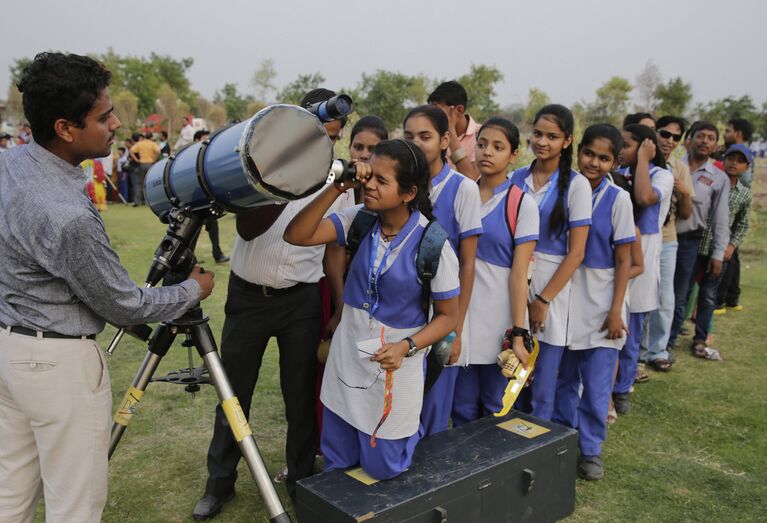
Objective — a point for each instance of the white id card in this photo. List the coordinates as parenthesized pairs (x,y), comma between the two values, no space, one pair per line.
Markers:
(367,348)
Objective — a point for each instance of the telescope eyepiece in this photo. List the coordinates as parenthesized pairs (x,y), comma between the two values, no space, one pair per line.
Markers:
(336,108)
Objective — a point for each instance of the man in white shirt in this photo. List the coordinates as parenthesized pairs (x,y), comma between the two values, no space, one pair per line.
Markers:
(187,133)
(273,292)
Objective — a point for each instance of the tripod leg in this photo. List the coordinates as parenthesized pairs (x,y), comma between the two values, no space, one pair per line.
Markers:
(203,339)
(158,347)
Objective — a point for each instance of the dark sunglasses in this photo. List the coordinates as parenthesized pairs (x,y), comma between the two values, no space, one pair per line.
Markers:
(668,134)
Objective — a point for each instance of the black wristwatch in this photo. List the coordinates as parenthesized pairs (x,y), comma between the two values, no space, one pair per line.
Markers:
(525,335)
(413,347)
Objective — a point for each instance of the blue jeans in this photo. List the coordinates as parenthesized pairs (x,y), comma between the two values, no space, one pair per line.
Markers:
(706,297)
(686,258)
(660,319)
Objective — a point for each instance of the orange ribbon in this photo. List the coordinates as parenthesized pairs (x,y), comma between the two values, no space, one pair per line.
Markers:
(387,397)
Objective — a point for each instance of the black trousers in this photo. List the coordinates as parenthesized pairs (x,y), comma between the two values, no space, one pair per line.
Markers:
(211,225)
(729,289)
(251,319)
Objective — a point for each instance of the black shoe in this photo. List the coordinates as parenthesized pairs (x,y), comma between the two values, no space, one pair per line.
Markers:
(222,259)
(621,403)
(591,467)
(210,505)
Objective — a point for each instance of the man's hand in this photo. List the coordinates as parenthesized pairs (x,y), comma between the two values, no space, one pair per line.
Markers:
(728,252)
(714,267)
(204,279)
(681,188)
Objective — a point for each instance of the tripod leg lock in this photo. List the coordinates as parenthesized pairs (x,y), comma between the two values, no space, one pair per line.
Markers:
(236,418)
(128,406)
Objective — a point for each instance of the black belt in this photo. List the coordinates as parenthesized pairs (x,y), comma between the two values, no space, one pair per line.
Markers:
(690,235)
(265,290)
(17,329)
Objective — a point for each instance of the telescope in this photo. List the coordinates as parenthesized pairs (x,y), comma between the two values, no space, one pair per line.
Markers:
(282,153)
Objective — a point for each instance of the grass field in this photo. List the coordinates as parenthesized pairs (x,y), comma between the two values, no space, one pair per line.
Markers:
(694,447)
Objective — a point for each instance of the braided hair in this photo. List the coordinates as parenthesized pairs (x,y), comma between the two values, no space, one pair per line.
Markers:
(560,115)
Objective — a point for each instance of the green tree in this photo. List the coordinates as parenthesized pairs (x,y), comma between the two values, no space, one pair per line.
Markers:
(536,98)
(263,80)
(17,68)
(647,82)
(144,77)
(673,97)
(720,111)
(387,94)
(295,90)
(236,105)
(126,109)
(172,107)
(611,103)
(480,86)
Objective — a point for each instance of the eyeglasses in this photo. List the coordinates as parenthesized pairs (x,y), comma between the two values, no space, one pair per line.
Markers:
(669,135)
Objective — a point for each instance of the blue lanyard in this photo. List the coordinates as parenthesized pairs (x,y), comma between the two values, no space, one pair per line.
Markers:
(553,180)
(373,277)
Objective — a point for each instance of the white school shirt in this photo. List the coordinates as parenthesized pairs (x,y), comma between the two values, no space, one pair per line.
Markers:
(362,407)
(578,211)
(593,287)
(644,290)
(489,313)
(269,260)
(456,202)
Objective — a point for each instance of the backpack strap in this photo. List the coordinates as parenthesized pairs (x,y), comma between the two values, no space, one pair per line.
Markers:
(427,260)
(361,225)
(513,203)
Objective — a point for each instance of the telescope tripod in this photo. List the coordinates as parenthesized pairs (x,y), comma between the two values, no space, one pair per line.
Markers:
(172,262)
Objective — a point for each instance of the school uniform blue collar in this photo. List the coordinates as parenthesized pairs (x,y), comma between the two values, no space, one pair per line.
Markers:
(599,187)
(410,224)
(529,178)
(441,175)
(503,187)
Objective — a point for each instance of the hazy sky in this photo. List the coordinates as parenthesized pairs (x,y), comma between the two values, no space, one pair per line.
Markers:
(568,48)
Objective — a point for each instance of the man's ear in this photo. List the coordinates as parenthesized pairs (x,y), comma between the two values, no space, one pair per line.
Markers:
(461,109)
(63,130)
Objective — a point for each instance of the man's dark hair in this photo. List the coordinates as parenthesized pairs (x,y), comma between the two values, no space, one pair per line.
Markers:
(449,93)
(663,121)
(148,135)
(635,118)
(199,134)
(703,125)
(135,137)
(742,125)
(320,95)
(58,85)
(164,135)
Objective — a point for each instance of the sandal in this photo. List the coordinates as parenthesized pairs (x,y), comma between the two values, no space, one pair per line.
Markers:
(700,350)
(642,375)
(612,416)
(661,365)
